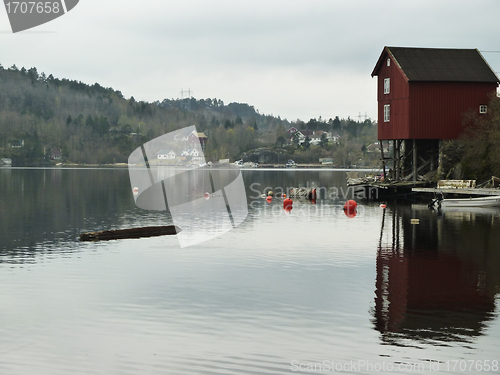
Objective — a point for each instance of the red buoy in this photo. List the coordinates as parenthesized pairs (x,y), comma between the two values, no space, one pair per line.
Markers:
(312,195)
(350,212)
(350,204)
(350,208)
(269,199)
(287,203)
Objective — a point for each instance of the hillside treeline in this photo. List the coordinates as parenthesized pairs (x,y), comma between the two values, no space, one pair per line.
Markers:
(349,148)
(92,124)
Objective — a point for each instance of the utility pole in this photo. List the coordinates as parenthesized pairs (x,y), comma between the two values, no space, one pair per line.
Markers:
(189,95)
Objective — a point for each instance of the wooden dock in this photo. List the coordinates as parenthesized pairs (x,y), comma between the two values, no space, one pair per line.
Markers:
(386,190)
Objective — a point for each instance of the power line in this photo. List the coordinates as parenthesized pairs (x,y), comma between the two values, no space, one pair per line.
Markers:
(189,96)
(188,92)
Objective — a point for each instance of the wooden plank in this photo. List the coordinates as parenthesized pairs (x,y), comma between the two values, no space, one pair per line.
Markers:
(458,191)
(407,178)
(117,234)
(456,184)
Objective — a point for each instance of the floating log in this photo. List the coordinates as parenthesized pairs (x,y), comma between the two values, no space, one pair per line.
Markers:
(117,234)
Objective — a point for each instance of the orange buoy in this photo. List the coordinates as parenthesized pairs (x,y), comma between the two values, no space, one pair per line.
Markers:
(350,204)
(269,199)
(350,208)
(350,212)
(287,203)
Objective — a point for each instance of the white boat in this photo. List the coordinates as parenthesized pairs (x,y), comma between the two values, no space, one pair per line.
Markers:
(489,201)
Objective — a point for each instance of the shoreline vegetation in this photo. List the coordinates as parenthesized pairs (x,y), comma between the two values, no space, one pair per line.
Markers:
(260,167)
(44,119)
(47,121)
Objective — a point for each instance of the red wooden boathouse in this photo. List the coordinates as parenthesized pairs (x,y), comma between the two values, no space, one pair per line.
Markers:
(422,95)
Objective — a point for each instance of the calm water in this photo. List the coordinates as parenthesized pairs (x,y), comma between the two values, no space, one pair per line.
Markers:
(281,293)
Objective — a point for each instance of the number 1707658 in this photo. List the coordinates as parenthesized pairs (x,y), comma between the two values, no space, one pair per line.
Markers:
(33,7)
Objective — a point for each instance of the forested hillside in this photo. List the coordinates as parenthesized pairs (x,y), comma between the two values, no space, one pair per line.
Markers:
(92,124)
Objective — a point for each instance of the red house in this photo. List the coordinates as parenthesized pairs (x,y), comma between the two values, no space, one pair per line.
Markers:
(423,93)
(198,137)
(55,154)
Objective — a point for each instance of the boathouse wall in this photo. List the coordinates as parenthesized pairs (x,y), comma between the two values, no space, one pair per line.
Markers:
(427,107)
(436,109)
(398,97)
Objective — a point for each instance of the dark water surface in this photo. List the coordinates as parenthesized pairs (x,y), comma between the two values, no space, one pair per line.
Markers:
(310,291)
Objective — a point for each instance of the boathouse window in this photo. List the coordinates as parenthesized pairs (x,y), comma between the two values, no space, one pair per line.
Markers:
(387,112)
(387,85)
(483,109)
(388,62)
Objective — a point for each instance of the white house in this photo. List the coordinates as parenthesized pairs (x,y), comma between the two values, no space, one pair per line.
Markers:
(332,137)
(165,155)
(300,137)
(315,138)
(190,152)
(193,154)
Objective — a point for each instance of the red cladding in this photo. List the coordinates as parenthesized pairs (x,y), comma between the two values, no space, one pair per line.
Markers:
(425,110)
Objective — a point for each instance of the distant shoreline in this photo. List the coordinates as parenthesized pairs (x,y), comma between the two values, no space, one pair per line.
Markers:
(280,167)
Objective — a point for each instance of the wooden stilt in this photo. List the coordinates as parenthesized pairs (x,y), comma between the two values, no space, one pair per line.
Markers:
(415,161)
(383,159)
(397,165)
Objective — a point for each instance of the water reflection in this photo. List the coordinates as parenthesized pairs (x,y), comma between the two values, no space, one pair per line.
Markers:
(44,209)
(436,280)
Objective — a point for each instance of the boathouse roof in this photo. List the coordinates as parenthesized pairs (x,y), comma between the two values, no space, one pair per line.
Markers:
(439,64)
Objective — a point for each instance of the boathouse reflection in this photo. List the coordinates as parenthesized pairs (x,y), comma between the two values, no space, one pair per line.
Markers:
(436,276)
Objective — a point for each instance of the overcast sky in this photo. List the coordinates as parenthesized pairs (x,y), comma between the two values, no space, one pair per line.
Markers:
(295,59)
